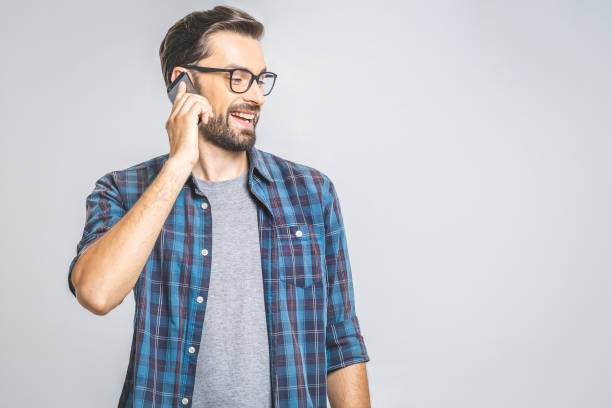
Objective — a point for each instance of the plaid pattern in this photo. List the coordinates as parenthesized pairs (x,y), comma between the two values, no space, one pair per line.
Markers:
(308,289)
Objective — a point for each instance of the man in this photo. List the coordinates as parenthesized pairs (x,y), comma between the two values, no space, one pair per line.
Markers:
(237,258)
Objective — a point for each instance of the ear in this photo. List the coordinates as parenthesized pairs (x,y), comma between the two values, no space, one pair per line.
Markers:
(176,72)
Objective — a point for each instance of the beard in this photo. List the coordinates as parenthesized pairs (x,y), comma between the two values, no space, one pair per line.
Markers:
(219,132)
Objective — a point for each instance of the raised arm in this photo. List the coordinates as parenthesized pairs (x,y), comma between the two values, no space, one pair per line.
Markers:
(115,243)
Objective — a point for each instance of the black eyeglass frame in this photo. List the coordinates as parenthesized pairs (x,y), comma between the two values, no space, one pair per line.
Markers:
(231,71)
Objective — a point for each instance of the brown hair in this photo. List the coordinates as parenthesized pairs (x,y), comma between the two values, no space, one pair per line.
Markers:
(187,41)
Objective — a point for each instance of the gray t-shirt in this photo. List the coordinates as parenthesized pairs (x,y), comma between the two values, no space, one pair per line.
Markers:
(233,368)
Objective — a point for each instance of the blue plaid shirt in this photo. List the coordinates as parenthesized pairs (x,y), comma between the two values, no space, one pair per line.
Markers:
(308,288)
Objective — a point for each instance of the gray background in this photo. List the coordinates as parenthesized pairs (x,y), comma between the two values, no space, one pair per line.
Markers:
(469,143)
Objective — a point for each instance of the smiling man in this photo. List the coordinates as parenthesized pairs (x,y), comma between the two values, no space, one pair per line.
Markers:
(237,258)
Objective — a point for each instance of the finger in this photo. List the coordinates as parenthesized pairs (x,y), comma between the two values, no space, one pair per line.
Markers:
(200,109)
(179,91)
(207,108)
(193,106)
(181,98)
(186,105)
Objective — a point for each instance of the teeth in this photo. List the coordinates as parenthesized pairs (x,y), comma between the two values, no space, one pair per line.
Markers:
(243,115)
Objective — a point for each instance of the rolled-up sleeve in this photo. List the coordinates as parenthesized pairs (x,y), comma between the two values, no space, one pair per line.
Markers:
(103,209)
(344,342)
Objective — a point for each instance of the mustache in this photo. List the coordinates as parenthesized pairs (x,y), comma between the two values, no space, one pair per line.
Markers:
(249,108)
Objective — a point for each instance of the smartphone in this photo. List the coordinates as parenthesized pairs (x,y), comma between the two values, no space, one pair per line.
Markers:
(173,88)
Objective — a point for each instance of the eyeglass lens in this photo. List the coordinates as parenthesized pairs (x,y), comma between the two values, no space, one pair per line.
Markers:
(241,79)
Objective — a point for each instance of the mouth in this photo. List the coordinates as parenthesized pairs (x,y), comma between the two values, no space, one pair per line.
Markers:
(242,119)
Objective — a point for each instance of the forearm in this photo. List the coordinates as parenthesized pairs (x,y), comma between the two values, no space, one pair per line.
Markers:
(108,270)
(348,387)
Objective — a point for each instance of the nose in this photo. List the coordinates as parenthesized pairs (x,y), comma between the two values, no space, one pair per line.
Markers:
(255,94)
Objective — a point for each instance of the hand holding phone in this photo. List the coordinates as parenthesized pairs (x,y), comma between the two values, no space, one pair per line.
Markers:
(182,125)
(174,87)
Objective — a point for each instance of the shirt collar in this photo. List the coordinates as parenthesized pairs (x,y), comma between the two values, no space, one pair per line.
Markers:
(256,162)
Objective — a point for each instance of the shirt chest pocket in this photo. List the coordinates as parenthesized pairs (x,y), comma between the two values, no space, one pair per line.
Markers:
(301,253)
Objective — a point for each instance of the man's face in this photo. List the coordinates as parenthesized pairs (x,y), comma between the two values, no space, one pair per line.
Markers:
(224,129)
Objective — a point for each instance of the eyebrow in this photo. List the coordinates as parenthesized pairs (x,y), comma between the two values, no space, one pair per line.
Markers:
(240,66)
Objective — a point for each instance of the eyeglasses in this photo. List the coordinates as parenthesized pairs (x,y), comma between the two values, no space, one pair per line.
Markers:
(241,79)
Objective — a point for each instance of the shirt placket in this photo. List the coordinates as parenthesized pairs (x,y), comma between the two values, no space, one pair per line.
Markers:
(266,238)
(202,221)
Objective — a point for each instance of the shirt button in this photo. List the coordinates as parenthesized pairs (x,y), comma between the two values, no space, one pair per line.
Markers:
(298,233)
(199,299)
(205,252)
(204,206)
(191,350)
(185,401)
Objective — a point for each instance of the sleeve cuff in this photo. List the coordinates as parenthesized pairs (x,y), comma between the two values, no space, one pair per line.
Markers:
(345,344)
